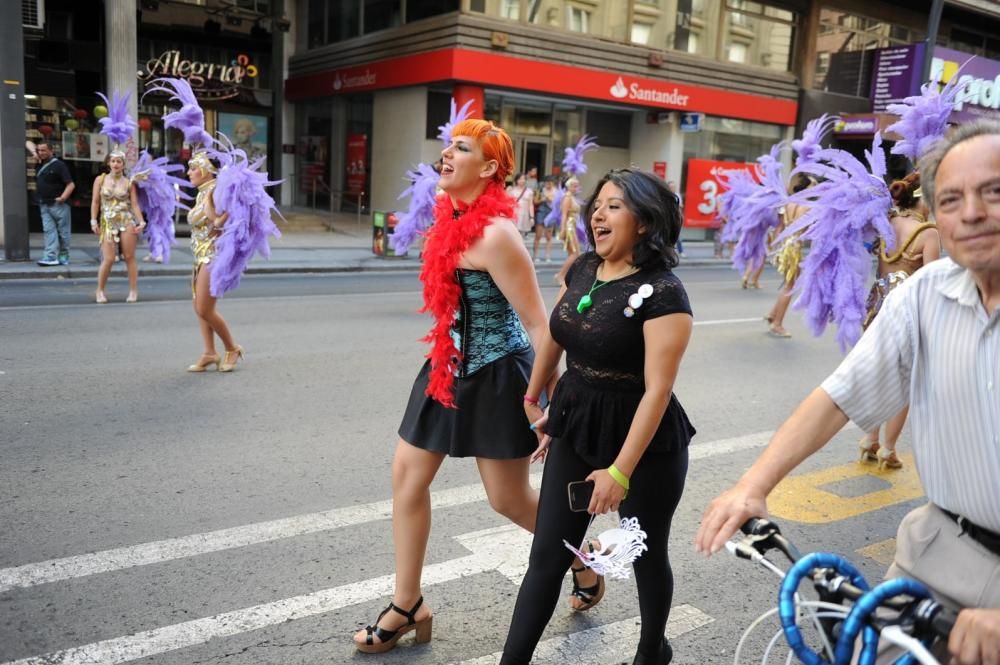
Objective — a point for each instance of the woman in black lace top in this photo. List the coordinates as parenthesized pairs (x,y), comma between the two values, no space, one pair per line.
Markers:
(624,321)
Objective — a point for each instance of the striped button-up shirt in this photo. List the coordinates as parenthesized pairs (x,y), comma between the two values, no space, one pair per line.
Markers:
(935,347)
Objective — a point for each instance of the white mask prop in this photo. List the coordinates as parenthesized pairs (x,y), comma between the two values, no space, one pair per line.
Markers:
(619,548)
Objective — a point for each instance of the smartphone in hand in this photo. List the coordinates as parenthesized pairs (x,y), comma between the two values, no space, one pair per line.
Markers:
(580,492)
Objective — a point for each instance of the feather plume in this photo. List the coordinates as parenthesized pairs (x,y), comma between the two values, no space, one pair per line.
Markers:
(444,131)
(750,205)
(158,189)
(573,162)
(240,191)
(555,214)
(816,130)
(118,126)
(190,119)
(923,118)
(847,208)
(420,215)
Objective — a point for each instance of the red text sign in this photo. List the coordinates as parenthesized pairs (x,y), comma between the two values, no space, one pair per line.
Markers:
(701,196)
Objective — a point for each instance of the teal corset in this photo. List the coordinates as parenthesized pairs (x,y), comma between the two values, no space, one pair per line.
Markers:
(486,327)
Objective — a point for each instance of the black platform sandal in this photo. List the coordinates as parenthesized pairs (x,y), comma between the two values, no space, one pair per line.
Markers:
(388,638)
(590,595)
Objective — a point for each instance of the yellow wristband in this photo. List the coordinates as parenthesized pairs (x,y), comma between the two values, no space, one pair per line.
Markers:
(619,477)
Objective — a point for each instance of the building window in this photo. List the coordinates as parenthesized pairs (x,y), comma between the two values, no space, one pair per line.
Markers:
(421,9)
(382,14)
(511,9)
(736,53)
(844,45)
(343,20)
(758,34)
(641,33)
(579,19)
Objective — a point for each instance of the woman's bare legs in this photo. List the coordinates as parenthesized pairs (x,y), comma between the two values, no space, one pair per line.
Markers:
(204,307)
(413,470)
(128,242)
(507,488)
(776,317)
(108,253)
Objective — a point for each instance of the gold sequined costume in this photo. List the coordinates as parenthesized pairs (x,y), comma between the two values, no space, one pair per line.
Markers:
(903,264)
(570,241)
(116,208)
(202,231)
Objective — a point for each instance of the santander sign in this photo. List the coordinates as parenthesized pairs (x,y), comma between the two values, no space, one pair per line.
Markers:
(659,96)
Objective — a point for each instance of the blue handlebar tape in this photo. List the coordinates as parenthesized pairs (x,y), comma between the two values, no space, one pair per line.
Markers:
(786,599)
(863,608)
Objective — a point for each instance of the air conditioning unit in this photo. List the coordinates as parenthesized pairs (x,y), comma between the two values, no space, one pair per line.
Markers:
(33,14)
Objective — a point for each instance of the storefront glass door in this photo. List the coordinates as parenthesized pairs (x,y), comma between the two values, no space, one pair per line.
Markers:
(533,152)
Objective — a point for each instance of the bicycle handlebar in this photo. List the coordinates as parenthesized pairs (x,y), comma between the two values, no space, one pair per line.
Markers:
(927,615)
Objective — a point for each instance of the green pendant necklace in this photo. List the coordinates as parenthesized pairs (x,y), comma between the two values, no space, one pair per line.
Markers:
(587,300)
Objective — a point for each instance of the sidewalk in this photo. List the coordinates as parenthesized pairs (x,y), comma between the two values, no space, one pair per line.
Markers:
(303,248)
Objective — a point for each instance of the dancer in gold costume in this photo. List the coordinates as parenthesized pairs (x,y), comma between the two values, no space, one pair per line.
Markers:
(917,244)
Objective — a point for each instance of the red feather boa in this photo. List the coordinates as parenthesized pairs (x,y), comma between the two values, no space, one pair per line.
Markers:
(448,239)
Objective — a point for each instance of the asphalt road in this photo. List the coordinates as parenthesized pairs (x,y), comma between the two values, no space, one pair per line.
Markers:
(155,516)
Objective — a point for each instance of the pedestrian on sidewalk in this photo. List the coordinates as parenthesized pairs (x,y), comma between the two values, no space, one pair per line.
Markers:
(624,321)
(569,216)
(524,204)
(54,187)
(545,221)
(467,400)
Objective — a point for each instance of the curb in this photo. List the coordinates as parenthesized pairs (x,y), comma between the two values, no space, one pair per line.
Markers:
(372,265)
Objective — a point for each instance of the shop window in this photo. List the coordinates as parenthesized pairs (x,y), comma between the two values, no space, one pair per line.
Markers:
(382,14)
(438,112)
(609,129)
(421,9)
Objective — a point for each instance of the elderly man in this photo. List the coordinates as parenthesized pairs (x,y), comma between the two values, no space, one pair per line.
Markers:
(936,347)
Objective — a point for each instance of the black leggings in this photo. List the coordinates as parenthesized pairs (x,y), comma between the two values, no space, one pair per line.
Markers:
(657,483)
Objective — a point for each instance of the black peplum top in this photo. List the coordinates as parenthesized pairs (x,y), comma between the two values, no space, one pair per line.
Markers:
(596,399)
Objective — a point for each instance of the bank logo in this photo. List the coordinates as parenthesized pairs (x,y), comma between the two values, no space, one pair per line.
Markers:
(347,82)
(618,90)
(337,83)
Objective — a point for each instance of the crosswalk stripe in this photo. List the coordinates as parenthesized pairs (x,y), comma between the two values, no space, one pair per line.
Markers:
(54,570)
(610,643)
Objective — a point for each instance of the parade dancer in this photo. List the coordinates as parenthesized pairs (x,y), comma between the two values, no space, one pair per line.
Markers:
(115,214)
(624,320)
(230,220)
(923,120)
(849,206)
(159,194)
(750,207)
(916,245)
(789,255)
(480,287)
(571,224)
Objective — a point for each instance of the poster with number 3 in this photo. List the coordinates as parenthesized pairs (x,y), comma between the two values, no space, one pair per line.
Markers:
(701,198)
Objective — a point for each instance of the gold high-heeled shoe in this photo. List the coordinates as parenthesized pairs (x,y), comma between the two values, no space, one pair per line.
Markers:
(237,355)
(205,362)
(869,450)
(887,460)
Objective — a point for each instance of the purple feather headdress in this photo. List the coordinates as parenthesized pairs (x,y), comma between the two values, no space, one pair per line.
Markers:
(118,125)
(848,207)
(807,147)
(240,191)
(420,215)
(573,163)
(923,118)
(444,131)
(158,190)
(190,119)
(750,205)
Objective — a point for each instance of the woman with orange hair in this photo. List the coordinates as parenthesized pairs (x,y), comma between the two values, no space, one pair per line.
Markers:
(467,401)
